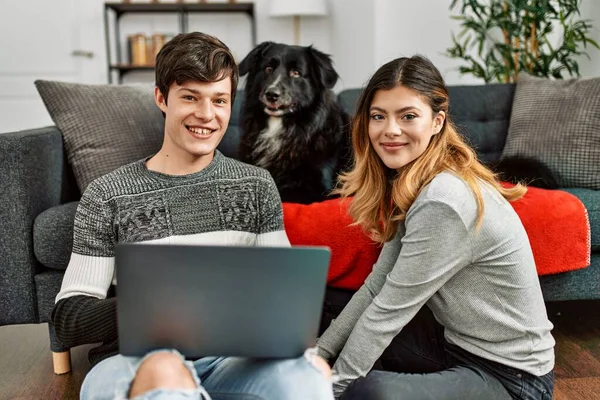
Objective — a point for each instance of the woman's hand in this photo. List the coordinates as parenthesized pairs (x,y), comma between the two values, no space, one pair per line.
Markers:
(322,365)
(318,362)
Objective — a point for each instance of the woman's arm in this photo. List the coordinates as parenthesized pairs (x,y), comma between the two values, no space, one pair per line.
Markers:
(334,338)
(436,246)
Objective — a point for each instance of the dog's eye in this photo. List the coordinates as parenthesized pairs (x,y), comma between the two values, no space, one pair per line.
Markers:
(268,70)
(295,73)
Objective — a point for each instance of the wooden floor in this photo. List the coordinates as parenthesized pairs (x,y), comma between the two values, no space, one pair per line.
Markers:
(26,365)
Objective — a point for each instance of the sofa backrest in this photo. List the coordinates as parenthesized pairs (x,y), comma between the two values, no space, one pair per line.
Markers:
(231,139)
(480,112)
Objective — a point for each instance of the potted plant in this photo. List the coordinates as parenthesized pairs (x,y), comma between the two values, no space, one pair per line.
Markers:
(502,37)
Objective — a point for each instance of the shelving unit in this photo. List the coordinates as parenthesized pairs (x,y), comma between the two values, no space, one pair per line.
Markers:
(117,9)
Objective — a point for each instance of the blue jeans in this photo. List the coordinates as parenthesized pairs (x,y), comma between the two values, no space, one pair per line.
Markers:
(471,378)
(224,378)
(421,364)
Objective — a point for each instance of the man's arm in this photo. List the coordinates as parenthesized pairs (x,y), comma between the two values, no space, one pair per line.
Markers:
(82,313)
(83,319)
(271,231)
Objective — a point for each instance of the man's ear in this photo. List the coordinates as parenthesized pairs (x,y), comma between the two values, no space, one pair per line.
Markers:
(160,100)
(253,57)
(324,70)
(438,122)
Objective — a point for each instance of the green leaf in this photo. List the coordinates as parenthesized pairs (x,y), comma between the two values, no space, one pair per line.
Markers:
(480,44)
(593,43)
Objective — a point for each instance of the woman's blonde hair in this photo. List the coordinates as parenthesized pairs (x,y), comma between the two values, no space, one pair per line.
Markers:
(380,201)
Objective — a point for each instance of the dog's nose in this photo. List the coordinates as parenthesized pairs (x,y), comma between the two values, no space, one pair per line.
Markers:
(272,95)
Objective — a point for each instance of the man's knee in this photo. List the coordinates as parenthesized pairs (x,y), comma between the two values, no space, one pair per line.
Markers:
(161,370)
(300,379)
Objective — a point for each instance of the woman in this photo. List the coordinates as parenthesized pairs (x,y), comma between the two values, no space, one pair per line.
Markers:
(451,241)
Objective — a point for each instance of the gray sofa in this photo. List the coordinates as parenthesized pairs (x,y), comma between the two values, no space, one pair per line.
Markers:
(38,199)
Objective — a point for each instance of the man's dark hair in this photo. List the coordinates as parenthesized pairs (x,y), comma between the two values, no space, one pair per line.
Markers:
(194,56)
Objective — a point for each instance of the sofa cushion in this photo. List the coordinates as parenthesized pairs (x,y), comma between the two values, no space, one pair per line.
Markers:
(230,142)
(558,236)
(328,223)
(583,284)
(103,126)
(591,200)
(107,126)
(348,99)
(53,235)
(481,114)
(558,123)
(47,286)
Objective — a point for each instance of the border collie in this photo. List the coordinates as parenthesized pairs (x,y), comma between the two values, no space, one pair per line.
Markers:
(291,123)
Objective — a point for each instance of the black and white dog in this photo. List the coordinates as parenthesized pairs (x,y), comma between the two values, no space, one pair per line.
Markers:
(292,124)
(527,170)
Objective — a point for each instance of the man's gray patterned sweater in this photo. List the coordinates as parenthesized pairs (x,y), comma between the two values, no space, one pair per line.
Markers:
(227,203)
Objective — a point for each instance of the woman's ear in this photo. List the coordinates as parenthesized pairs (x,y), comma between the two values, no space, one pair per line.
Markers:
(438,122)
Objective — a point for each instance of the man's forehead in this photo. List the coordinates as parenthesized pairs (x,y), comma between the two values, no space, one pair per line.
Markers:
(222,86)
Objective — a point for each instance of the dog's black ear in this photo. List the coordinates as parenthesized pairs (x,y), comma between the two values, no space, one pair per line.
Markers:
(253,57)
(325,72)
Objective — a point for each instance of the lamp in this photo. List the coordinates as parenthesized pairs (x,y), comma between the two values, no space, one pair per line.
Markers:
(296,9)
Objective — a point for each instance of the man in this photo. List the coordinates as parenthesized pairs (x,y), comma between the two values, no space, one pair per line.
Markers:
(186,193)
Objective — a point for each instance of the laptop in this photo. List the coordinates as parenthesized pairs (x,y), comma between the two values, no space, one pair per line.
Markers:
(260,302)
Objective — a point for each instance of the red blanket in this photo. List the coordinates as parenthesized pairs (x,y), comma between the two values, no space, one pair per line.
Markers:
(556,222)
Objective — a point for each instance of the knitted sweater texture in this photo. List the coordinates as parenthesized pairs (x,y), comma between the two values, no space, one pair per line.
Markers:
(226,203)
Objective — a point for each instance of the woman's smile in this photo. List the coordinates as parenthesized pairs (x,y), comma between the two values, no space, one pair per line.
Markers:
(393,146)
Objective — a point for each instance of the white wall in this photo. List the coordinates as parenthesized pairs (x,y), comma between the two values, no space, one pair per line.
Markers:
(352,24)
(233,29)
(360,35)
(405,27)
(38,36)
(590,9)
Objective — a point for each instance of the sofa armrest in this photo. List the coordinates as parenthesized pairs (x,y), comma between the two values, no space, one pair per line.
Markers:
(33,177)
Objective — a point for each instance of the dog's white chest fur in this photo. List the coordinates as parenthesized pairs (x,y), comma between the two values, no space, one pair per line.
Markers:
(269,141)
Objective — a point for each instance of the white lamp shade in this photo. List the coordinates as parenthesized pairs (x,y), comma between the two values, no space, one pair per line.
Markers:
(287,8)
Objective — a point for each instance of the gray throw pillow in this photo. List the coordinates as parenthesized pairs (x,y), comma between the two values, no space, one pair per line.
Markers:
(558,123)
(103,126)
